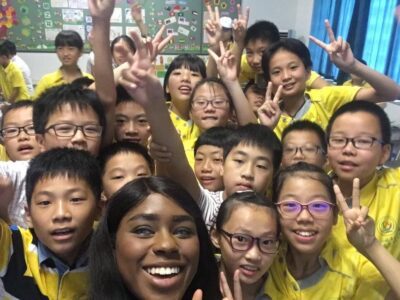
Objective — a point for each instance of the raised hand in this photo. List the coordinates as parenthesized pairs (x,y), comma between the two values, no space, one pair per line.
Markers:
(159,43)
(239,25)
(360,228)
(270,112)
(136,13)
(339,51)
(213,28)
(226,291)
(101,9)
(226,63)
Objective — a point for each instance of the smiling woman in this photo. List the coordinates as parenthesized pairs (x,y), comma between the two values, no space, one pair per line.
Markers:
(152,244)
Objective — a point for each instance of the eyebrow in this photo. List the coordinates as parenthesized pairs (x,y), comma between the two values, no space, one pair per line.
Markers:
(69,191)
(240,152)
(156,217)
(219,151)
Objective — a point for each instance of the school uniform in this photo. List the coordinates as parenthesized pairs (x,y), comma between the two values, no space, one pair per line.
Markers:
(364,84)
(10,78)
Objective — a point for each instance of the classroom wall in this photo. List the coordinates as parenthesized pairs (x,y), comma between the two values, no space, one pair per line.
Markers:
(286,14)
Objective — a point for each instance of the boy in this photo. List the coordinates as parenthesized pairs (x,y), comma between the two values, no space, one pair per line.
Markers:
(12,84)
(359,142)
(356,80)
(69,48)
(50,261)
(303,140)
(255,95)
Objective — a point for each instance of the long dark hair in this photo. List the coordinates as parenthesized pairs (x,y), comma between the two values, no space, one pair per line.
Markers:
(105,279)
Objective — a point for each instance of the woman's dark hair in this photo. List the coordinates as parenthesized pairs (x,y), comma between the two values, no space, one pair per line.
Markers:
(294,46)
(105,279)
(125,38)
(189,61)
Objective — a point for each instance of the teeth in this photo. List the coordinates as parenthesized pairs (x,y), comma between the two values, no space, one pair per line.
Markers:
(163,271)
(305,233)
(249,268)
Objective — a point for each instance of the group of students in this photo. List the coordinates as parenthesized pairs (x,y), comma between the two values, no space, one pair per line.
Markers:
(281,198)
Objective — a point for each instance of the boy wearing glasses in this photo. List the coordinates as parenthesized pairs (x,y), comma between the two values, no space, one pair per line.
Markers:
(358,143)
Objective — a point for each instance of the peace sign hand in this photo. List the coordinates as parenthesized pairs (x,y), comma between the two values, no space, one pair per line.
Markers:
(226,63)
(360,228)
(213,28)
(270,112)
(339,51)
(239,25)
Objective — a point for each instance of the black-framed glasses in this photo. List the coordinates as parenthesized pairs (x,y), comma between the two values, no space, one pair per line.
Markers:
(244,242)
(11,132)
(307,150)
(363,142)
(69,130)
(202,103)
(319,209)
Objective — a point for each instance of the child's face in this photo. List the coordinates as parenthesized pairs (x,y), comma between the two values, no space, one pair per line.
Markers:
(157,249)
(210,95)
(288,70)
(4,60)
(247,167)
(77,117)
(62,212)
(131,123)
(207,167)
(122,168)
(254,221)
(254,53)
(302,145)
(68,55)
(181,83)
(349,162)
(120,57)
(23,146)
(255,99)
(306,234)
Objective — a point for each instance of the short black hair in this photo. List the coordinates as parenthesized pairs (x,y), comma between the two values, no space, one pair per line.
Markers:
(294,46)
(4,51)
(190,61)
(125,38)
(12,49)
(69,38)
(368,107)
(215,136)
(255,87)
(124,147)
(262,30)
(14,106)
(82,82)
(66,162)
(306,125)
(55,98)
(123,95)
(259,136)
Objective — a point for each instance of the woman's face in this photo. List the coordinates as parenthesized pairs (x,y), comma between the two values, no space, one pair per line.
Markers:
(157,249)
(257,222)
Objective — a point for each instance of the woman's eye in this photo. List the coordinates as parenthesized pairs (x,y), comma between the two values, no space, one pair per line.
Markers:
(143,231)
(184,232)
(117,177)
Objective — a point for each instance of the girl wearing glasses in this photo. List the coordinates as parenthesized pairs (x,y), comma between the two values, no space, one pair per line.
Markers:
(311,265)
(246,233)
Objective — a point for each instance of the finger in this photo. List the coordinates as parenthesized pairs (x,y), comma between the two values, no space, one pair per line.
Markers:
(328,27)
(141,48)
(278,93)
(239,10)
(268,93)
(356,193)
(164,43)
(222,48)
(247,14)
(237,288)
(318,42)
(217,14)
(364,213)
(340,200)
(213,54)
(340,43)
(210,12)
(226,291)
(198,295)
(159,34)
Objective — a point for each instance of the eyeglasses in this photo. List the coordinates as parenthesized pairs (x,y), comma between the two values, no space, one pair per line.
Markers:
(308,150)
(364,142)
(69,130)
(319,209)
(203,103)
(11,132)
(244,242)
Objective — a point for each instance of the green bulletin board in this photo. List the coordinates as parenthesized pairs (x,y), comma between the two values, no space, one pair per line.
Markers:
(35,23)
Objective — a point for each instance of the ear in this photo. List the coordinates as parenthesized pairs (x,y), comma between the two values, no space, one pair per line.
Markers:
(386,150)
(214,238)
(308,71)
(28,217)
(101,206)
(41,141)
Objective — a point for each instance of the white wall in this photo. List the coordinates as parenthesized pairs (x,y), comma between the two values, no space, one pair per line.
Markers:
(286,14)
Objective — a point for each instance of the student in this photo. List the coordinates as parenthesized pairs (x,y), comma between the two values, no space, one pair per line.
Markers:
(247,234)
(305,141)
(17,131)
(69,48)
(208,157)
(255,95)
(288,64)
(152,244)
(121,41)
(21,64)
(357,81)
(131,123)
(310,265)
(12,84)
(122,162)
(63,192)
(249,160)
(359,137)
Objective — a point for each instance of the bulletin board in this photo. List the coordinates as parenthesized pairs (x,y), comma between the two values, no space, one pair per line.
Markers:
(33,24)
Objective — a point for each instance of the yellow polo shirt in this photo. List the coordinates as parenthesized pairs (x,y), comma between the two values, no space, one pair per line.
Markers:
(53,79)
(343,277)
(364,84)
(3,154)
(382,197)
(11,77)
(324,102)
(188,133)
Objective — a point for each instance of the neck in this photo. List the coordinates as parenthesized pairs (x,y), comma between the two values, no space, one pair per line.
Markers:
(291,105)
(70,69)
(181,109)
(301,265)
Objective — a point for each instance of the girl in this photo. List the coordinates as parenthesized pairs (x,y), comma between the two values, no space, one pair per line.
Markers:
(152,244)
(119,57)
(246,233)
(311,264)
